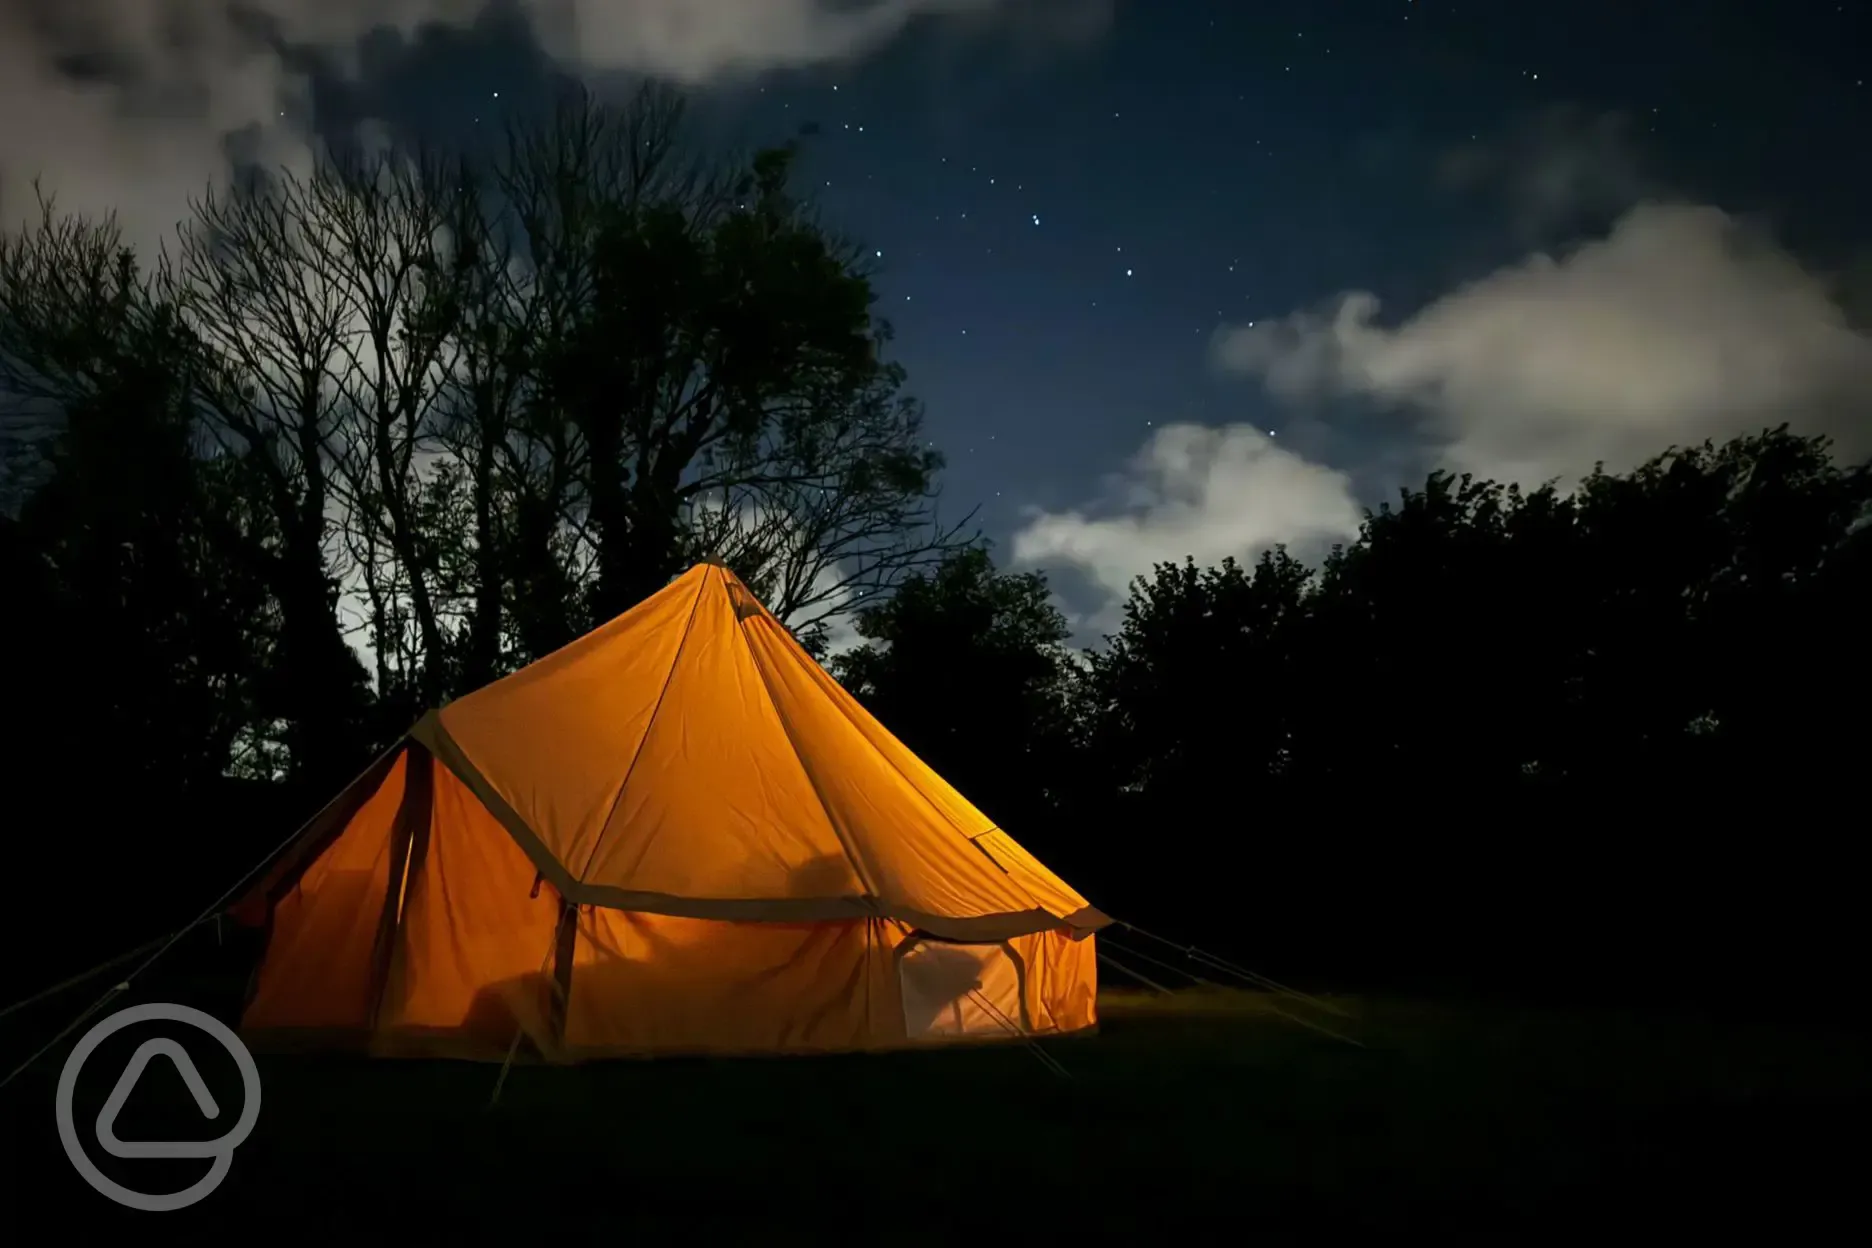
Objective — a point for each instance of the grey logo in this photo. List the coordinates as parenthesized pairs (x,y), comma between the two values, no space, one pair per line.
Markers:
(222,1150)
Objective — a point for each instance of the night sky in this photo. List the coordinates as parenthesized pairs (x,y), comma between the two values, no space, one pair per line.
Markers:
(1117,240)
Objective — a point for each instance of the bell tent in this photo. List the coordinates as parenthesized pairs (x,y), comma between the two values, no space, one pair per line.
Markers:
(676,834)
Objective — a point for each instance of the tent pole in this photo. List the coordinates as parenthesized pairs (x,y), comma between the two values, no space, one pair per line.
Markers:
(513,1049)
(409,834)
(565,948)
(1045,1058)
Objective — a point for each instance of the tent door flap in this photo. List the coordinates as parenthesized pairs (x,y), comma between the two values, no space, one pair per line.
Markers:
(957,991)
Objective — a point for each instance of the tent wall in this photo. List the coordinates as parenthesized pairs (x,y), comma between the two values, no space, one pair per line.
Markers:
(318,973)
(960,992)
(645,984)
(473,952)
(1044,983)
(423,929)
(648,983)
(1061,980)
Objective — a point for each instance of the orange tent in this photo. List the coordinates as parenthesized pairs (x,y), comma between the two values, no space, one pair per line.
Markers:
(677,834)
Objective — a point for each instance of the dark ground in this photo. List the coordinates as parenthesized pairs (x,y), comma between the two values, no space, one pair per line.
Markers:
(1201,1117)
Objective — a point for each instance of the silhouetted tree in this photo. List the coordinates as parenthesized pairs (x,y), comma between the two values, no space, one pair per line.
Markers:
(719,372)
(501,402)
(1495,712)
(1757,536)
(140,578)
(969,667)
(1187,722)
(1628,632)
(1408,627)
(1200,676)
(497,403)
(272,337)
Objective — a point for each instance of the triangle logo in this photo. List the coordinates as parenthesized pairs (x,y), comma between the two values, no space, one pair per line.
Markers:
(126,1083)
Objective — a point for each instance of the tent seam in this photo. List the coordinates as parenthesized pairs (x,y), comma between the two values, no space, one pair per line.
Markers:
(812,781)
(934,806)
(669,678)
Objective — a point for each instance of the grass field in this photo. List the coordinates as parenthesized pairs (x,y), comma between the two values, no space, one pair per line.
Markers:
(1201,1117)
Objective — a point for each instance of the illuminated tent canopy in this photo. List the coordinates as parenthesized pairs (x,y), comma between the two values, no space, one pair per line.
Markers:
(677,834)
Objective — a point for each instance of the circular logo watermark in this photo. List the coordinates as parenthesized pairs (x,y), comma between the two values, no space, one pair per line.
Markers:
(222,1150)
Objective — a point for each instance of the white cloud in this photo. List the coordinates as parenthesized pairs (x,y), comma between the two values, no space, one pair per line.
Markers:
(1200,492)
(1681,324)
(696,42)
(129,105)
(151,135)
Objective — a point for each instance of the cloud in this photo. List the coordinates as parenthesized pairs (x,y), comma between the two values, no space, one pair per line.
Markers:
(1660,322)
(135,105)
(698,42)
(1681,324)
(1200,492)
(124,105)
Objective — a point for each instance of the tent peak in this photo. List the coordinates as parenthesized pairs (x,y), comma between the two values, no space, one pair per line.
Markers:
(691,753)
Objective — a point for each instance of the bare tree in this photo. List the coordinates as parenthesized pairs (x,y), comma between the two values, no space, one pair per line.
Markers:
(821,526)
(499,477)
(569,184)
(249,279)
(387,249)
(333,300)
